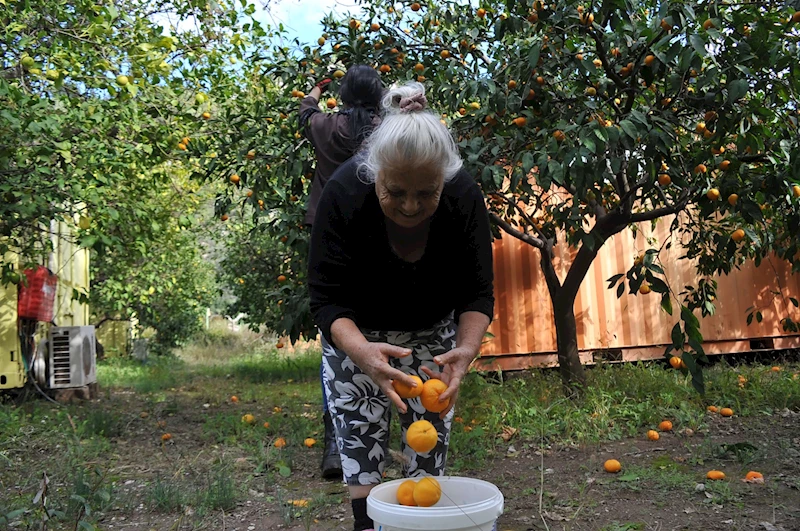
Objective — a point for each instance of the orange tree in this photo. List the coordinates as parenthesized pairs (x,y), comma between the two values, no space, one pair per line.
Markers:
(101,109)
(580,121)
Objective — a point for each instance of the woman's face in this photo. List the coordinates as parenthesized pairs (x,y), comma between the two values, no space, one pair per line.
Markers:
(409,196)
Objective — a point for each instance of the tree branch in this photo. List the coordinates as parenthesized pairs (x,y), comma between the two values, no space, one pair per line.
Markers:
(527,238)
(662,211)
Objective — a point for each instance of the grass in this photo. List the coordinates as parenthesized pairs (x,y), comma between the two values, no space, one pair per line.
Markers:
(214,458)
(164,496)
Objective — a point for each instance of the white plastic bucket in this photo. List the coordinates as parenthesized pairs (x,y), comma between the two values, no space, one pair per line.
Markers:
(467,505)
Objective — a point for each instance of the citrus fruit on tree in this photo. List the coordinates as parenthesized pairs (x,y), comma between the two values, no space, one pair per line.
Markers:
(406,391)
(430,395)
(427,492)
(675,362)
(422,436)
(405,493)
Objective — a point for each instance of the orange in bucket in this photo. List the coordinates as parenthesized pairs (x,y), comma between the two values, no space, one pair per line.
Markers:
(427,492)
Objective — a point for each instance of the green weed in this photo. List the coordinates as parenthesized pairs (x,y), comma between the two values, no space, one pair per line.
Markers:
(103,423)
(164,496)
(219,491)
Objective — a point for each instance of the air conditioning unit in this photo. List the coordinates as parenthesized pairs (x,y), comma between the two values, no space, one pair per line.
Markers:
(71,360)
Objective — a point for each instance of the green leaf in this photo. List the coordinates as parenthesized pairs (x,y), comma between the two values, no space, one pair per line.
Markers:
(629,128)
(533,55)
(698,44)
(677,337)
(666,303)
(737,90)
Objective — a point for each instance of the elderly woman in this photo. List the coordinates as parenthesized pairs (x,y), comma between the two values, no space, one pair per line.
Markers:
(400,278)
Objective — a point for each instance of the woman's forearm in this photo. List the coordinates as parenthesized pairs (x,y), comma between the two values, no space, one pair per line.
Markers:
(347,336)
(472,328)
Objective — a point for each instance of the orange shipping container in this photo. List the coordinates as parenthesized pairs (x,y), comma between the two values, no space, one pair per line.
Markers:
(632,327)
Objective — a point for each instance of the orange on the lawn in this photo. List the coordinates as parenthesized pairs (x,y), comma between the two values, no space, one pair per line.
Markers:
(665,425)
(427,492)
(430,395)
(406,391)
(422,436)
(612,465)
(713,409)
(405,493)
(280,442)
(726,412)
(715,475)
(752,475)
(652,435)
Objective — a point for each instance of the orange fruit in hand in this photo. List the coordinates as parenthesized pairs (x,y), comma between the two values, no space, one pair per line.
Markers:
(430,395)
(405,493)
(665,425)
(726,412)
(422,436)
(612,465)
(406,391)
(652,435)
(427,492)
(715,475)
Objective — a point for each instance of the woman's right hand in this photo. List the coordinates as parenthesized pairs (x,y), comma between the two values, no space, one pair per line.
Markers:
(373,360)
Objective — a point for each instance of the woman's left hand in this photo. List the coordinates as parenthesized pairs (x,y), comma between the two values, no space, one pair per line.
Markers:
(455,365)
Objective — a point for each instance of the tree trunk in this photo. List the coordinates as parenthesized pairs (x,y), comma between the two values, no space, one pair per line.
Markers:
(562,298)
(569,361)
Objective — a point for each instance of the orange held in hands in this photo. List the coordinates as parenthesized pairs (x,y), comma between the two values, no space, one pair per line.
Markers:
(422,436)
(427,492)
(406,391)
(430,395)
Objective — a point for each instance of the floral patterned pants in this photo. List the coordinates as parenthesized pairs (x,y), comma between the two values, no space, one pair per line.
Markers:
(361,412)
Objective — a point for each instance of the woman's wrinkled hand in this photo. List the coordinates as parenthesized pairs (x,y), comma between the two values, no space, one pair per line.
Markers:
(455,365)
(373,360)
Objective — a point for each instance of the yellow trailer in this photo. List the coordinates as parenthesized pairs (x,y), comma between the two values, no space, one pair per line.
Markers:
(12,371)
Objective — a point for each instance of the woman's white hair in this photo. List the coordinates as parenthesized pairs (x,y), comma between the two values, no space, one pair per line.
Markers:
(408,138)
